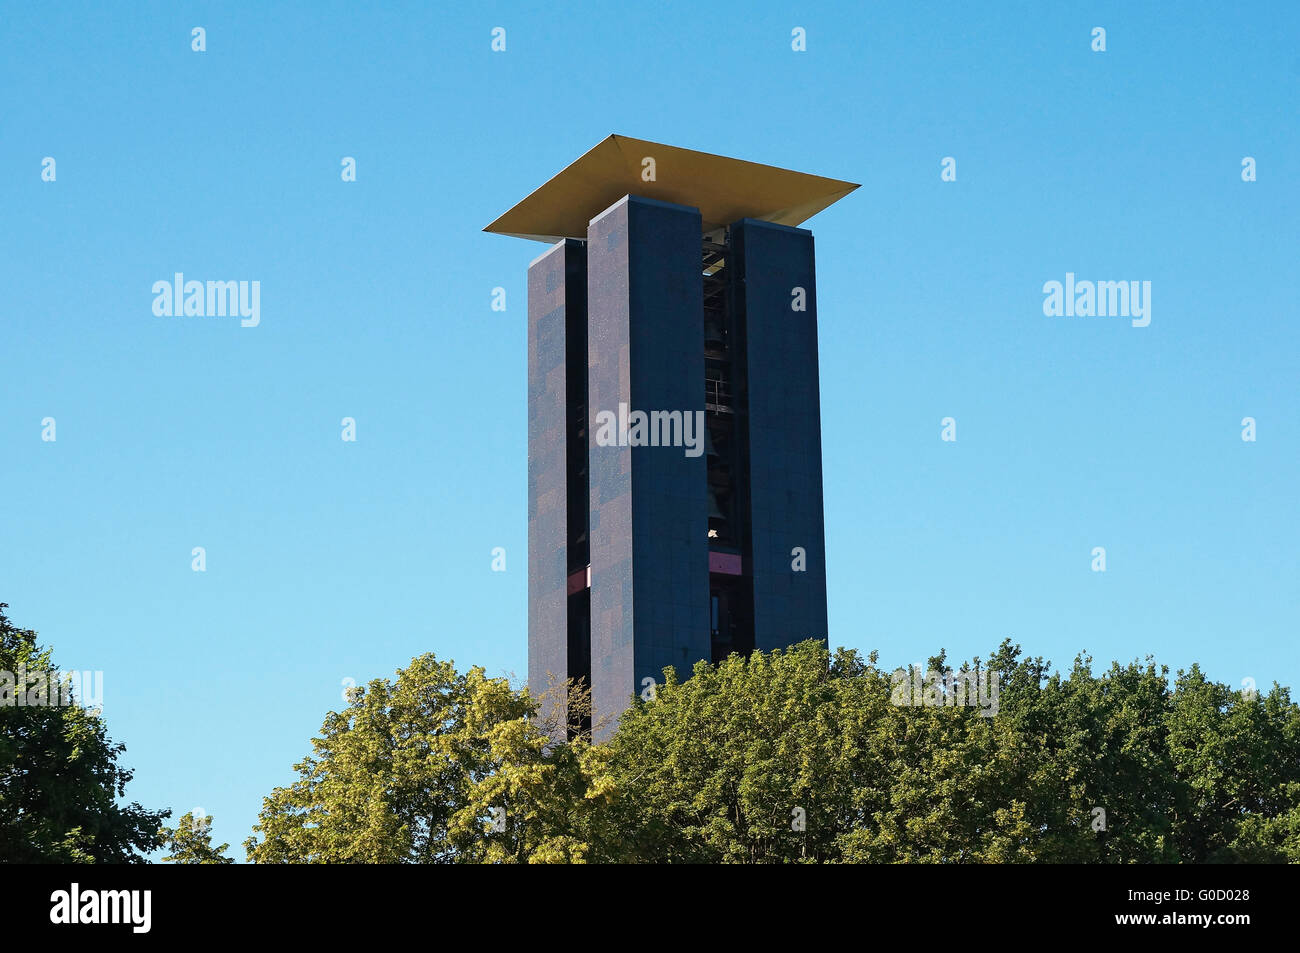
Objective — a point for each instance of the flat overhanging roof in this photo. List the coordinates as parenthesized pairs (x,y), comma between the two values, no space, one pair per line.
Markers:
(724,190)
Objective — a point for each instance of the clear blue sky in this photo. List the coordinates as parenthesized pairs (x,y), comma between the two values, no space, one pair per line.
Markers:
(329,560)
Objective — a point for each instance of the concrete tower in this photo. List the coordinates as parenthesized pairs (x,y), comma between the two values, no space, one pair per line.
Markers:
(674,422)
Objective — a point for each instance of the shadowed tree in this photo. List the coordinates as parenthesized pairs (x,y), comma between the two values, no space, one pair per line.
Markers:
(190,842)
(60,781)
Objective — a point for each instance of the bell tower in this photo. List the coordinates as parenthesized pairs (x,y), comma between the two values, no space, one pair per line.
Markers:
(674,420)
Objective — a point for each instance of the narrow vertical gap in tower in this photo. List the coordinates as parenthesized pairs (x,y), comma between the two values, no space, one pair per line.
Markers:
(731,591)
(577,483)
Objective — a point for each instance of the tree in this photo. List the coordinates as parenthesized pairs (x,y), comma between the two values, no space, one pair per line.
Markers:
(433,767)
(741,762)
(60,780)
(190,842)
(533,800)
(800,756)
(1101,784)
(1192,772)
(1237,754)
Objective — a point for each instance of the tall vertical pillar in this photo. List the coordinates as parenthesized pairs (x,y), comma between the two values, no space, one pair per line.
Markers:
(778,288)
(649,512)
(557,505)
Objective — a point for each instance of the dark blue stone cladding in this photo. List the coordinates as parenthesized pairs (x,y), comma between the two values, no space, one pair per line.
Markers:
(649,516)
(557,291)
(785,451)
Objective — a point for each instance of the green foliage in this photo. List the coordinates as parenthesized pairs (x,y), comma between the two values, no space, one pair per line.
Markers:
(714,769)
(425,769)
(801,756)
(190,842)
(1193,773)
(794,756)
(59,777)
